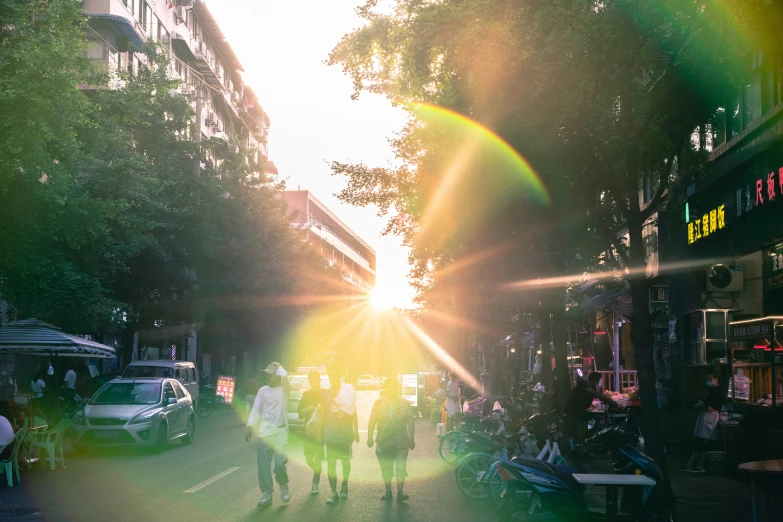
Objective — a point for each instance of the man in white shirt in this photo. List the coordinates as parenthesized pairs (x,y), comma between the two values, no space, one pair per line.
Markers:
(270,416)
(70,379)
(6,433)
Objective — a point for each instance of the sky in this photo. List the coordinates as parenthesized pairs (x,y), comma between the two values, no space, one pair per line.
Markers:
(282,45)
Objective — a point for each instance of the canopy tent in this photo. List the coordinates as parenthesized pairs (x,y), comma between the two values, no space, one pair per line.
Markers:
(35,337)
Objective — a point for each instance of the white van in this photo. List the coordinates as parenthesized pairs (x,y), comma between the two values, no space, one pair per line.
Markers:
(184,371)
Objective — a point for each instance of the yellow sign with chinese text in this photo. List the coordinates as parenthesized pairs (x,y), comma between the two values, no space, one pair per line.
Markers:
(707,224)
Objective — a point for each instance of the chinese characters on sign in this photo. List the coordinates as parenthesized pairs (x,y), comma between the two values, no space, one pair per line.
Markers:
(751,330)
(225,388)
(709,223)
(773,267)
(410,388)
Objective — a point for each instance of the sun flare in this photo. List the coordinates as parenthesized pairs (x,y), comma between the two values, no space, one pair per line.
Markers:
(381,300)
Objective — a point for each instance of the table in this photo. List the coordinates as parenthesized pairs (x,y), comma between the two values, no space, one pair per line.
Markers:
(770,467)
(612,482)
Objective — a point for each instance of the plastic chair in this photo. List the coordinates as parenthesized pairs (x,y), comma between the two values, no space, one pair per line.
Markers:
(12,465)
(51,441)
(34,422)
(440,429)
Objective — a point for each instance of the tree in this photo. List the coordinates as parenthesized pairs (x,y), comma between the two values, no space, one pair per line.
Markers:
(596,95)
(50,235)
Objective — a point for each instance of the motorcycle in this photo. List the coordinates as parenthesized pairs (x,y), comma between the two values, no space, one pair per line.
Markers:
(534,486)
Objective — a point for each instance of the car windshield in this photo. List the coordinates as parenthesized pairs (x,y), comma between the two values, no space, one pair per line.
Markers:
(128,393)
(148,371)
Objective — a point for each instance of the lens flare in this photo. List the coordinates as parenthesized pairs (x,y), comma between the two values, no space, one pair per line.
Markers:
(478,146)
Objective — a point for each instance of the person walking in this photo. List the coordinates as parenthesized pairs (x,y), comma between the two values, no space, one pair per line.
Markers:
(340,431)
(313,446)
(706,429)
(393,417)
(453,403)
(269,416)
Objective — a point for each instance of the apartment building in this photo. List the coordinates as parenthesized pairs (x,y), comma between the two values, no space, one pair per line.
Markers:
(332,238)
(226,107)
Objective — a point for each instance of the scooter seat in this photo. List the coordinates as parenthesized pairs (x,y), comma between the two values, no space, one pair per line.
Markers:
(551,469)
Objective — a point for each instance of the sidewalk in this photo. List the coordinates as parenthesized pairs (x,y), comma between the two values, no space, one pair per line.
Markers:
(709,498)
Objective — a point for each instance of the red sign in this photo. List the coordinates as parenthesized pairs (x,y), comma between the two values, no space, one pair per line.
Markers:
(225,388)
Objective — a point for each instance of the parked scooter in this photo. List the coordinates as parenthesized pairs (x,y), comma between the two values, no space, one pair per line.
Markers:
(536,487)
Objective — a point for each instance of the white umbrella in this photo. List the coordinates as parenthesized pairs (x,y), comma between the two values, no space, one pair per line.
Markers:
(35,337)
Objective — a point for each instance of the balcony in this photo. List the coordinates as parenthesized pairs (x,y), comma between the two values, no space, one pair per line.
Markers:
(205,64)
(115,15)
(182,43)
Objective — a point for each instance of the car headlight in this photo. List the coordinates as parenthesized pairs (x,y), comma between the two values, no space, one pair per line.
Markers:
(144,417)
(79,418)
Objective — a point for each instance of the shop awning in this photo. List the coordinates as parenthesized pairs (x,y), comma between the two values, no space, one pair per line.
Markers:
(125,26)
(34,337)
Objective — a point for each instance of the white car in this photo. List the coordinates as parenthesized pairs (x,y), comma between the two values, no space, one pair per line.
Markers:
(365,381)
(136,412)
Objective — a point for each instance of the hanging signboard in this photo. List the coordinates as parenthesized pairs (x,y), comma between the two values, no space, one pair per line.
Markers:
(750,330)
(225,388)
(410,388)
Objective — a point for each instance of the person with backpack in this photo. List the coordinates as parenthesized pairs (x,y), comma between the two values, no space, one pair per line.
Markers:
(313,442)
(393,417)
(340,428)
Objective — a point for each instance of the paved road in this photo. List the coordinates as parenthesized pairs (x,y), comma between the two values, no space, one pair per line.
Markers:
(136,485)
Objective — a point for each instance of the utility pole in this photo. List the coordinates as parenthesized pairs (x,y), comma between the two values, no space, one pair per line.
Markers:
(197,162)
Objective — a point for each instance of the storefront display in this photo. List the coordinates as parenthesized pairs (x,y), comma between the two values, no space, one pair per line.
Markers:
(756,362)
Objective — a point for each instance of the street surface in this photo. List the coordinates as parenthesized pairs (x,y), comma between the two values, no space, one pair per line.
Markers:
(214,479)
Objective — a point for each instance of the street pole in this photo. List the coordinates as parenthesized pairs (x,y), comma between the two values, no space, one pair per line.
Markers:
(197,162)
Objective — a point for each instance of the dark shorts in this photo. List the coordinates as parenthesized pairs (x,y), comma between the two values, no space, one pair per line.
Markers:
(393,461)
(312,446)
(337,451)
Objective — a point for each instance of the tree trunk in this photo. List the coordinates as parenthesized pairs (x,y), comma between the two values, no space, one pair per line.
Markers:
(643,346)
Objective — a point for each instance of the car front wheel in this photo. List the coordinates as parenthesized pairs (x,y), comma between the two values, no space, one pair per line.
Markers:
(190,433)
(162,442)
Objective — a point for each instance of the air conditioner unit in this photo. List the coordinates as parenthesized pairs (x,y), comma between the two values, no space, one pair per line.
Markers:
(179,14)
(725,278)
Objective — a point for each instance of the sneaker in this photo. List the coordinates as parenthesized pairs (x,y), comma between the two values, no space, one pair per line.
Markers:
(266,499)
(685,469)
(284,494)
(344,490)
(334,498)
(314,490)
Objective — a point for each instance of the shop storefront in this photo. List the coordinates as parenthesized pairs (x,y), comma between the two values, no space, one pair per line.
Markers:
(728,241)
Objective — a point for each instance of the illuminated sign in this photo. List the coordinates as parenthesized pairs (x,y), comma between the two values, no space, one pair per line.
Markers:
(773,267)
(225,388)
(707,224)
(410,388)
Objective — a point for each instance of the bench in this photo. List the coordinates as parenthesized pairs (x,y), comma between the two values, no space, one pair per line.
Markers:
(612,483)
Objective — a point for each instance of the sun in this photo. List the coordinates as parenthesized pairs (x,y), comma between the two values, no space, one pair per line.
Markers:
(380,299)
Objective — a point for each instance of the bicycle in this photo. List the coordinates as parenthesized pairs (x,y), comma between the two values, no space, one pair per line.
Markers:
(207,403)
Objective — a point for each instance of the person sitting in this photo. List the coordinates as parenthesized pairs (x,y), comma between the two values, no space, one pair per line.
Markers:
(579,401)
